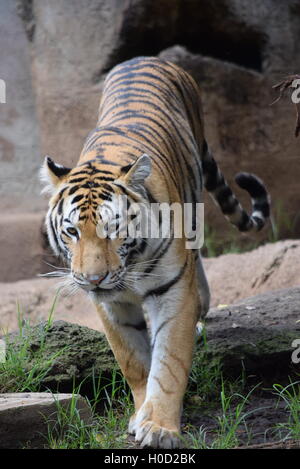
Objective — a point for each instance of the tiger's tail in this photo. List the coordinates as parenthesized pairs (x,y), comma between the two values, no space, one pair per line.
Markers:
(221,193)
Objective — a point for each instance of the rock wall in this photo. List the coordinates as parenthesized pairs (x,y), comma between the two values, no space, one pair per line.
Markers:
(19,134)
(55,63)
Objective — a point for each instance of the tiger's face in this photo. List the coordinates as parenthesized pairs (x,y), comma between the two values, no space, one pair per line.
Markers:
(86,220)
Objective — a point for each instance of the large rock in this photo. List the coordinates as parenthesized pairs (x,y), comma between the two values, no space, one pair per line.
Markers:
(232,277)
(251,336)
(256,335)
(66,78)
(27,417)
(65,355)
(245,133)
(34,300)
(22,246)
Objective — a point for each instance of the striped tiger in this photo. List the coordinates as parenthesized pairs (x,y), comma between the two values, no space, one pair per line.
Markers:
(149,147)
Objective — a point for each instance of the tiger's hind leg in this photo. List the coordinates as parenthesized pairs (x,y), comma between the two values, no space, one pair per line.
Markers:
(127,334)
(203,288)
(204,293)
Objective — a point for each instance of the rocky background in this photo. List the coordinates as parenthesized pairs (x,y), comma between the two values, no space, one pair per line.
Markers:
(54,57)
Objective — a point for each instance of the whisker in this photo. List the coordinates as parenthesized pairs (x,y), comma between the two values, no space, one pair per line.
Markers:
(54,273)
(56,266)
(142,274)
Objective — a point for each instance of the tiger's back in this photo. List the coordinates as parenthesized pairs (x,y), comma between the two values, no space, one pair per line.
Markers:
(150,106)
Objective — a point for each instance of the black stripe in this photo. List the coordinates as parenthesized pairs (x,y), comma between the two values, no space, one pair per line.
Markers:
(125,84)
(245,222)
(164,323)
(74,189)
(76,180)
(77,198)
(150,197)
(224,199)
(105,178)
(60,206)
(148,148)
(149,269)
(151,148)
(205,148)
(127,98)
(259,222)
(164,129)
(139,327)
(105,196)
(211,174)
(54,234)
(105,161)
(263,207)
(166,287)
(133,64)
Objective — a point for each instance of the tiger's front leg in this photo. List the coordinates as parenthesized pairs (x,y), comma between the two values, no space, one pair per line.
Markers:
(173,316)
(126,332)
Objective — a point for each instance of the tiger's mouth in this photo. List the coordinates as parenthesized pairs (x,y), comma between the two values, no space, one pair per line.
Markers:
(104,292)
(99,294)
(98,288)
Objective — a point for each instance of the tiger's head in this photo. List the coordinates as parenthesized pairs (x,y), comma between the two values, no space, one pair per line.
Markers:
(85,224)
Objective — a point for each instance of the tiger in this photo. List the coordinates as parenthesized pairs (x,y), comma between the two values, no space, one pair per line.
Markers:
(149,147)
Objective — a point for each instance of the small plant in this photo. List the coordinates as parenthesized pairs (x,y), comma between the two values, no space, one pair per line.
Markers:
(23,369)
(290,394)
(229,423)
(214,246)
(206,381)
(112,426)
(67,430)
(281,222)
(231,419)
(105,431)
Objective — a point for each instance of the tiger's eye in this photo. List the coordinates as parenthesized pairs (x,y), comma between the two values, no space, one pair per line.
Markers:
(72,231)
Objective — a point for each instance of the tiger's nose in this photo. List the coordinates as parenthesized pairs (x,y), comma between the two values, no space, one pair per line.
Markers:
(95,279)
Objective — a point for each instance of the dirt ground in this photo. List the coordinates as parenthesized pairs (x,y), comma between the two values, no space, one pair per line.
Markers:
(264,414)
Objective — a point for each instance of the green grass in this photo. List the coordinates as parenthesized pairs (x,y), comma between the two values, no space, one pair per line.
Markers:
(215,246)
(281,223)
(290,394)
(228,424)
(105,431)
(19,372)
(206,381)
(209,393)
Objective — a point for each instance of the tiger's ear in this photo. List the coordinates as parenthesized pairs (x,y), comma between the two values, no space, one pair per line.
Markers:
(52,174)
(135,174)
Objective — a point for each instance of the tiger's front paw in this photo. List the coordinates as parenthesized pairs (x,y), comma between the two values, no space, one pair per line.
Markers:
(151,435)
